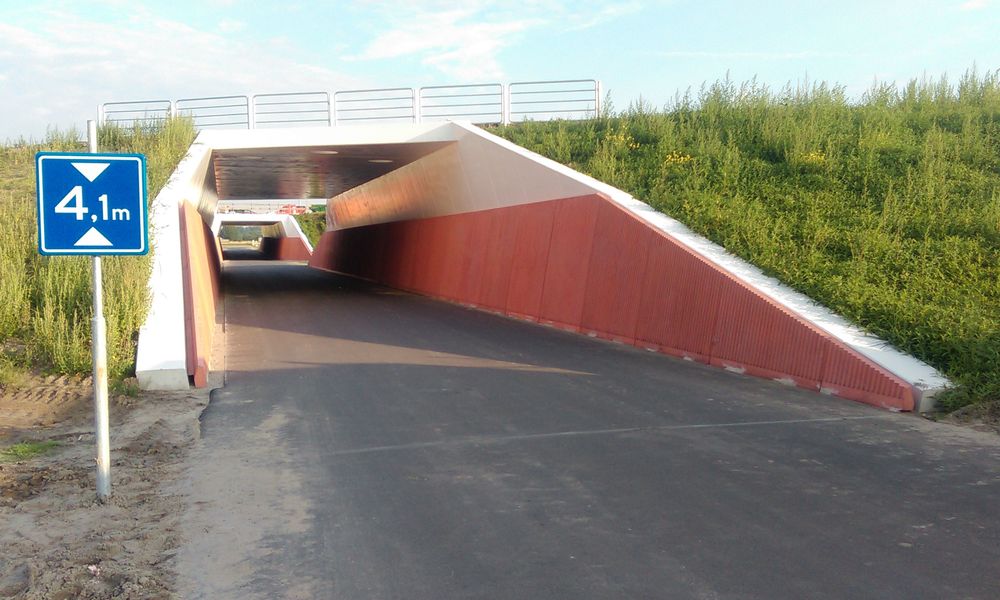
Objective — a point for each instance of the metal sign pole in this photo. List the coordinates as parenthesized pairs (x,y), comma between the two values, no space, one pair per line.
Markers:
(98,328)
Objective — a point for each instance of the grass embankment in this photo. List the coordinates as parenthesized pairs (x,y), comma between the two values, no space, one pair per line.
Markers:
(45,302)
(886,210)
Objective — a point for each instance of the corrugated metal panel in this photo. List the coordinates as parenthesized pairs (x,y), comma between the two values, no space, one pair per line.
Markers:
(346,251)
(291,249)
(585,261)
(533,224)
(472,257)
(371,252)
(454,235)
(849,376)
(322,257)
(498,261)
(407,253)
(680,301)
(431,250)
(617,272)
(754,334)
(393,269)
(569,260)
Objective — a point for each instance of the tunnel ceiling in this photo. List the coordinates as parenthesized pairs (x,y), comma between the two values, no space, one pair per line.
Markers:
(309,172)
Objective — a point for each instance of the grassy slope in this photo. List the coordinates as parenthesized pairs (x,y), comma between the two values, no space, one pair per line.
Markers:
(887,210)
(45,303)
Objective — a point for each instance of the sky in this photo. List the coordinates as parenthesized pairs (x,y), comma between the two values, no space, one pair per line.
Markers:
(60,59)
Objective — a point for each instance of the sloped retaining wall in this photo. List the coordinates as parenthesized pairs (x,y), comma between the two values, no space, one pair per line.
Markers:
(586,264)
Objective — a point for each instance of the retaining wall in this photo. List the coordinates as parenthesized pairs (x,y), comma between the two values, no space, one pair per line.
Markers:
(202,265)
(588,265)
(284,248)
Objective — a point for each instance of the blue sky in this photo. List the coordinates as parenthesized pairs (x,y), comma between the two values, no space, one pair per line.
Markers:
(59,59)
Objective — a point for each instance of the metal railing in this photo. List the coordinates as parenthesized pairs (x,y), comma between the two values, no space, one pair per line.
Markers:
(545,100)
(293,108)
(216,111)
(488,103)
(477,103)
(135,112)
(390,104)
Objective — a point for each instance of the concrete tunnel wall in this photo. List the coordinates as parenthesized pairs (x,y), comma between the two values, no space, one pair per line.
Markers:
(490,225)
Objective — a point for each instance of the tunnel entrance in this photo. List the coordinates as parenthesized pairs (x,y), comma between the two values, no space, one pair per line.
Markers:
(452,212)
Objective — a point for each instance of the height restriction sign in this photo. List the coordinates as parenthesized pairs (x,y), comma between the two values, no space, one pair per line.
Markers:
(91,204)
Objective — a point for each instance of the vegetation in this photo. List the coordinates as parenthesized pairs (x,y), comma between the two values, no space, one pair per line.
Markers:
(11,376)
(26,450)
(45,302)
(240,233)
(313,224)
(887,210)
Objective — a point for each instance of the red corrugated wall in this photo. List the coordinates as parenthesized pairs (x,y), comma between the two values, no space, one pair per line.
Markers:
(284,248)
(200,258)
(586,264)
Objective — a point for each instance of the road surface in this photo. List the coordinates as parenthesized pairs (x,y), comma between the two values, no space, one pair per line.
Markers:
(374,444)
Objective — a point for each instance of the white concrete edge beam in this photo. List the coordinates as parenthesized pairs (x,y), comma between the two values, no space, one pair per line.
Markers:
(292,137)
(161,356)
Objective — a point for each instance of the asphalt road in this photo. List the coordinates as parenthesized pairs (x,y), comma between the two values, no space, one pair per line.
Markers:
(374,444)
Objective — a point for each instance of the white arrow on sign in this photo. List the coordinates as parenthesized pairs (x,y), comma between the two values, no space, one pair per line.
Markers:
(93,237)
(91,170)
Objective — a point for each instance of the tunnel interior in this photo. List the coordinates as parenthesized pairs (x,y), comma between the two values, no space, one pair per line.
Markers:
(259,183)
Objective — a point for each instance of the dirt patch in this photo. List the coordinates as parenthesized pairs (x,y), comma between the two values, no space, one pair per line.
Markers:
(40,402)
(984,416)
(57,541)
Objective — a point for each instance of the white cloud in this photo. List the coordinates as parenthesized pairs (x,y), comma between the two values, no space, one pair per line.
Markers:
(585,20)
(59,71)
(465,42)
(451,42)
(231,25)
(754,55)
(974,4)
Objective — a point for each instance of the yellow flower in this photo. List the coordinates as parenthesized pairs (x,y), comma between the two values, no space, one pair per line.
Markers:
(676,158)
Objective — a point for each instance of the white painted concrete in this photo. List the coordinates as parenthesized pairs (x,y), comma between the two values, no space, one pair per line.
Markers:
(162,351)
(295,137)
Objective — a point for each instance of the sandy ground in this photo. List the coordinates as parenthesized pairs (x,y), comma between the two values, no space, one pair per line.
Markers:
(56,541)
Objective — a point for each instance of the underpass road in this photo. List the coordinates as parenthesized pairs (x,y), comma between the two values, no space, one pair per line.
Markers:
(374,444)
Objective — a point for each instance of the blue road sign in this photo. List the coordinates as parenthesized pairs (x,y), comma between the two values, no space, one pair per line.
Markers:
(91,204)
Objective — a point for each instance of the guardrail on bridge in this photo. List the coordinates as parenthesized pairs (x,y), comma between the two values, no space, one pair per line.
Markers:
(488,103)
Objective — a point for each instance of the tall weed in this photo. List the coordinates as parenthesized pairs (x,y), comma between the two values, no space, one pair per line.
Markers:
(46,302)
